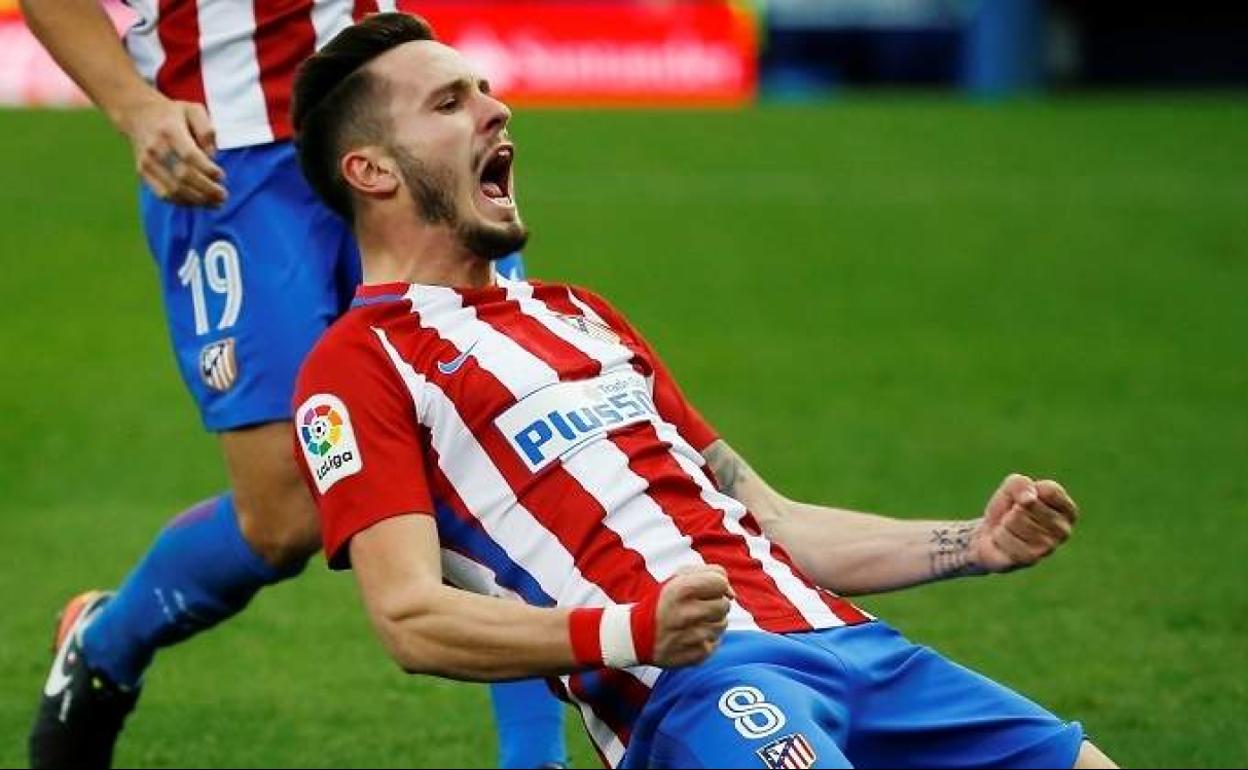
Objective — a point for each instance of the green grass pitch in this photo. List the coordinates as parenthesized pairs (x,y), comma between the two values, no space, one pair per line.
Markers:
(885,303)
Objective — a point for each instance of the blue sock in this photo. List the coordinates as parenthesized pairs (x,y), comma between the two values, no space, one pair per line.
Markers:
(530,724)
(198,572)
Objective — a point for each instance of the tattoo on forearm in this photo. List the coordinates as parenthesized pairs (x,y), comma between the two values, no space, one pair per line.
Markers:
(951,551)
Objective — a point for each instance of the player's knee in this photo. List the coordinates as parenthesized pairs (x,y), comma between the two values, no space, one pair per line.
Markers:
(282,529)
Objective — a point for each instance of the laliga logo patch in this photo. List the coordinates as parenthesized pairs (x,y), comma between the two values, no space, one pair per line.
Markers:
(328,440)
(218,366)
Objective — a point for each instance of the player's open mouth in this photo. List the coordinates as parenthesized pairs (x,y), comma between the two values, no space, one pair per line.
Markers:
(496,176)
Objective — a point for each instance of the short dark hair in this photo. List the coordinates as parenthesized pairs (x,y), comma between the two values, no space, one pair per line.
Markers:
(334,101)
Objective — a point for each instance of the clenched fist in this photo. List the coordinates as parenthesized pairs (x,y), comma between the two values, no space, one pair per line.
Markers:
(691,616)
(1024,522)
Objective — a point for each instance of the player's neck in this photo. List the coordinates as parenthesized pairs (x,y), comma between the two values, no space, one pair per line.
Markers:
(433,256)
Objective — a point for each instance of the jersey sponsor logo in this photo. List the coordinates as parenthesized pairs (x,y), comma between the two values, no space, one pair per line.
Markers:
(750,712)
(328,440)
(553,422)
(218,366)
(792,752)
(590,328)
(450,367)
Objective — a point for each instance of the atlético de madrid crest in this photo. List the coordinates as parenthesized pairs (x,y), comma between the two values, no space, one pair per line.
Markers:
(218,365)
(598,331)
(792,752)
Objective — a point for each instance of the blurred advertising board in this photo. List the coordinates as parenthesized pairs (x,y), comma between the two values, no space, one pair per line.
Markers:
(869,14)
(535,52)
(604,52)
(28,75)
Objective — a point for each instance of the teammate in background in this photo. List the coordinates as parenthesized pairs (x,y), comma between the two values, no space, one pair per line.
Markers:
(253,269)
(456,425)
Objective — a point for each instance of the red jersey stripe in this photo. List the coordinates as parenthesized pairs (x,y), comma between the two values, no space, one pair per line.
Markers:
(284,38)
(181,75)
(362,8)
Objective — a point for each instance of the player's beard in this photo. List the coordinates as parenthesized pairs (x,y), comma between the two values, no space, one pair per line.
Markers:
(433,189)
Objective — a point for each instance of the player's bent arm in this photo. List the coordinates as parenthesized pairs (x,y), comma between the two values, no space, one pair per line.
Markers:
(80,36)
(430,628)
(172,141)
(855,553)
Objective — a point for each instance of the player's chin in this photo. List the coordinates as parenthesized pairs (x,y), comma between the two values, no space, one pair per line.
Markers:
(495,240)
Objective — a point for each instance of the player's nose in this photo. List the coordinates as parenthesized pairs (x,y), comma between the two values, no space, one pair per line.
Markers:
(496,115)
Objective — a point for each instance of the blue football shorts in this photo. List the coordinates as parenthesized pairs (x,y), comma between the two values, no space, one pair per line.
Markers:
(860,696)
(249,287)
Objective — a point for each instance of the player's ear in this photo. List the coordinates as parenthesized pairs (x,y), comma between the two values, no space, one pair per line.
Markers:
(370,172)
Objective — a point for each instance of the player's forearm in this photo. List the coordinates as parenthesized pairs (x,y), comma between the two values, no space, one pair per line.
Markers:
(855,553)
(844,551)
(456,634)
(82,39)
(433,629)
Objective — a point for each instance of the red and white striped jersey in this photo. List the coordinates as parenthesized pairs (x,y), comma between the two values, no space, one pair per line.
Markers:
(236,57)
(560,459)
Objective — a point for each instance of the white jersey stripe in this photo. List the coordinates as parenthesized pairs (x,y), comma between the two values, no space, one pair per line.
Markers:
(231,73)
(599,732)
(329,17)
(469,575)
(142,42)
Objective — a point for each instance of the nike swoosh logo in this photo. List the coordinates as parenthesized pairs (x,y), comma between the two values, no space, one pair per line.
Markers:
(58,680)
(450,367)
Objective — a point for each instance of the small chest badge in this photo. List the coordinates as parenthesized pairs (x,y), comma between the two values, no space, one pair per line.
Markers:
(598,331)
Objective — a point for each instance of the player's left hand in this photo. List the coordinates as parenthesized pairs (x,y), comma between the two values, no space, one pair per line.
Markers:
(1024,522)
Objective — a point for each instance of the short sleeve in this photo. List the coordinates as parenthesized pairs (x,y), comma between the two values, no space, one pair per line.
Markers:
(668,397)
(357,440)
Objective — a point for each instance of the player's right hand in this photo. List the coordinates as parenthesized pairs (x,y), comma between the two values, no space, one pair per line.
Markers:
(173,146)
(691,616)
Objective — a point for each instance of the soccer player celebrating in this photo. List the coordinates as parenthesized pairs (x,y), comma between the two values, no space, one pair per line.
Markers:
(253,268)
(522,438)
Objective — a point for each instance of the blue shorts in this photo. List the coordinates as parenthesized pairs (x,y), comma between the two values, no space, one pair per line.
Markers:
(248,288)
(861,696)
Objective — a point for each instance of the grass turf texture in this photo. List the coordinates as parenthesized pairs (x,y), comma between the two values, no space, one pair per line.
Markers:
(885,303)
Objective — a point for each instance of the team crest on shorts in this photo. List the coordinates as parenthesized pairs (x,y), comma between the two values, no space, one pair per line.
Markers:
(598,331)
(791,751)
(218,366)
